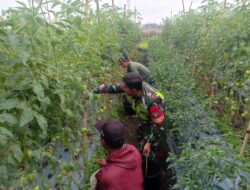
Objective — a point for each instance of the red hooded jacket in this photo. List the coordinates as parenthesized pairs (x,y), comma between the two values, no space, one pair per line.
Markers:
(122,172)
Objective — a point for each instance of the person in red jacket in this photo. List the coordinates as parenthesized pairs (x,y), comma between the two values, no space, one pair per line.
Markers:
(122,169)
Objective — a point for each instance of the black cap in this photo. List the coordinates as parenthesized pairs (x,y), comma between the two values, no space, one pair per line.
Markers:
(133,80)
(112,131)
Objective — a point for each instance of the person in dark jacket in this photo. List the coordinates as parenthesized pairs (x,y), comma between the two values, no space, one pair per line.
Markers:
(122,169)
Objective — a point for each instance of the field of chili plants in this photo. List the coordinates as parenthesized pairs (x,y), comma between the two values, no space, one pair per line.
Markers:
(201,62)
(51,55)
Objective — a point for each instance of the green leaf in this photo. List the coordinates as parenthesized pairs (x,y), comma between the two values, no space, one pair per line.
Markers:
(171,166)
(3,139)
(69,112)
(3,172)
(55,4)
(17,153)
(21,3)
(45,81)
(62,97)
(168,160)
(13,40)
(26,116)
(24,56)
(4,95)
(5,134)
(45,100)
(21,105)
(42,122)
(10,160)
(176,186)
(9,104)
(38,89)
(8,118)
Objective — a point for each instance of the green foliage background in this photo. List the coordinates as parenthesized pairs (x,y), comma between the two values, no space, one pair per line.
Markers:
(215,40)
(51,54)
(197,51)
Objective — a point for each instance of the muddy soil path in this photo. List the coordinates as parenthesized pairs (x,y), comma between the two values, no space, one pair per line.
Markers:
(131,134)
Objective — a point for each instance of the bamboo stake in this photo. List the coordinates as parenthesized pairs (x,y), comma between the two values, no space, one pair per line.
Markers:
(128,5)
(47,6)
(193,69)
(225,3)
(86,7)
(113,4)
(97,8)
(191,5)
(84,132)
(245,141)
(97,5)
(135,13)
(183,6)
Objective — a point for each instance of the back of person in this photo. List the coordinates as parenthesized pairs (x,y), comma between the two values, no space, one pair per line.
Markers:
(152,95)
(135,67)
(122,172)
(141,70)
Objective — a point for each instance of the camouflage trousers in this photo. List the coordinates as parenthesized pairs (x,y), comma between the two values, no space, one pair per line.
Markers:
(144,131)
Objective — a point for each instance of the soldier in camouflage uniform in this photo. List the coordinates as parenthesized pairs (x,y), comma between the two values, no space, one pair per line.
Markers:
(148,104)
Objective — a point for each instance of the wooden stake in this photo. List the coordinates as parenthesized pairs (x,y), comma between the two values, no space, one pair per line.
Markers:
(135,13)
(47,7)
(97,5)
(191,5)
(225,3)
(245,141)
(128,5)
(113,4)
(84,133)
(183,6)
(97,8)
(86,7)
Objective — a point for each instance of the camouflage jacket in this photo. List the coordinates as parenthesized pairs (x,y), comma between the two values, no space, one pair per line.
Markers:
(150,97)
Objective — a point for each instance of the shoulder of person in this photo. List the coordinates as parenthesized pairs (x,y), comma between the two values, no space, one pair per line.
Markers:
(132,147)
(136,63)
(149,91)
(103,173)
(135,151)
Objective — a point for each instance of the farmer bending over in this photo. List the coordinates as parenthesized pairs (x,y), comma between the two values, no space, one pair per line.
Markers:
(148,104)
(139,68)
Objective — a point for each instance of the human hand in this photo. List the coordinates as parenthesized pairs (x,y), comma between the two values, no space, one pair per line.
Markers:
(147,148)
(102,162)
(96,90)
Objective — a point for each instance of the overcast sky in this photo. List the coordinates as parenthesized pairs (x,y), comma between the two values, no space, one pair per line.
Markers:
(152,11)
